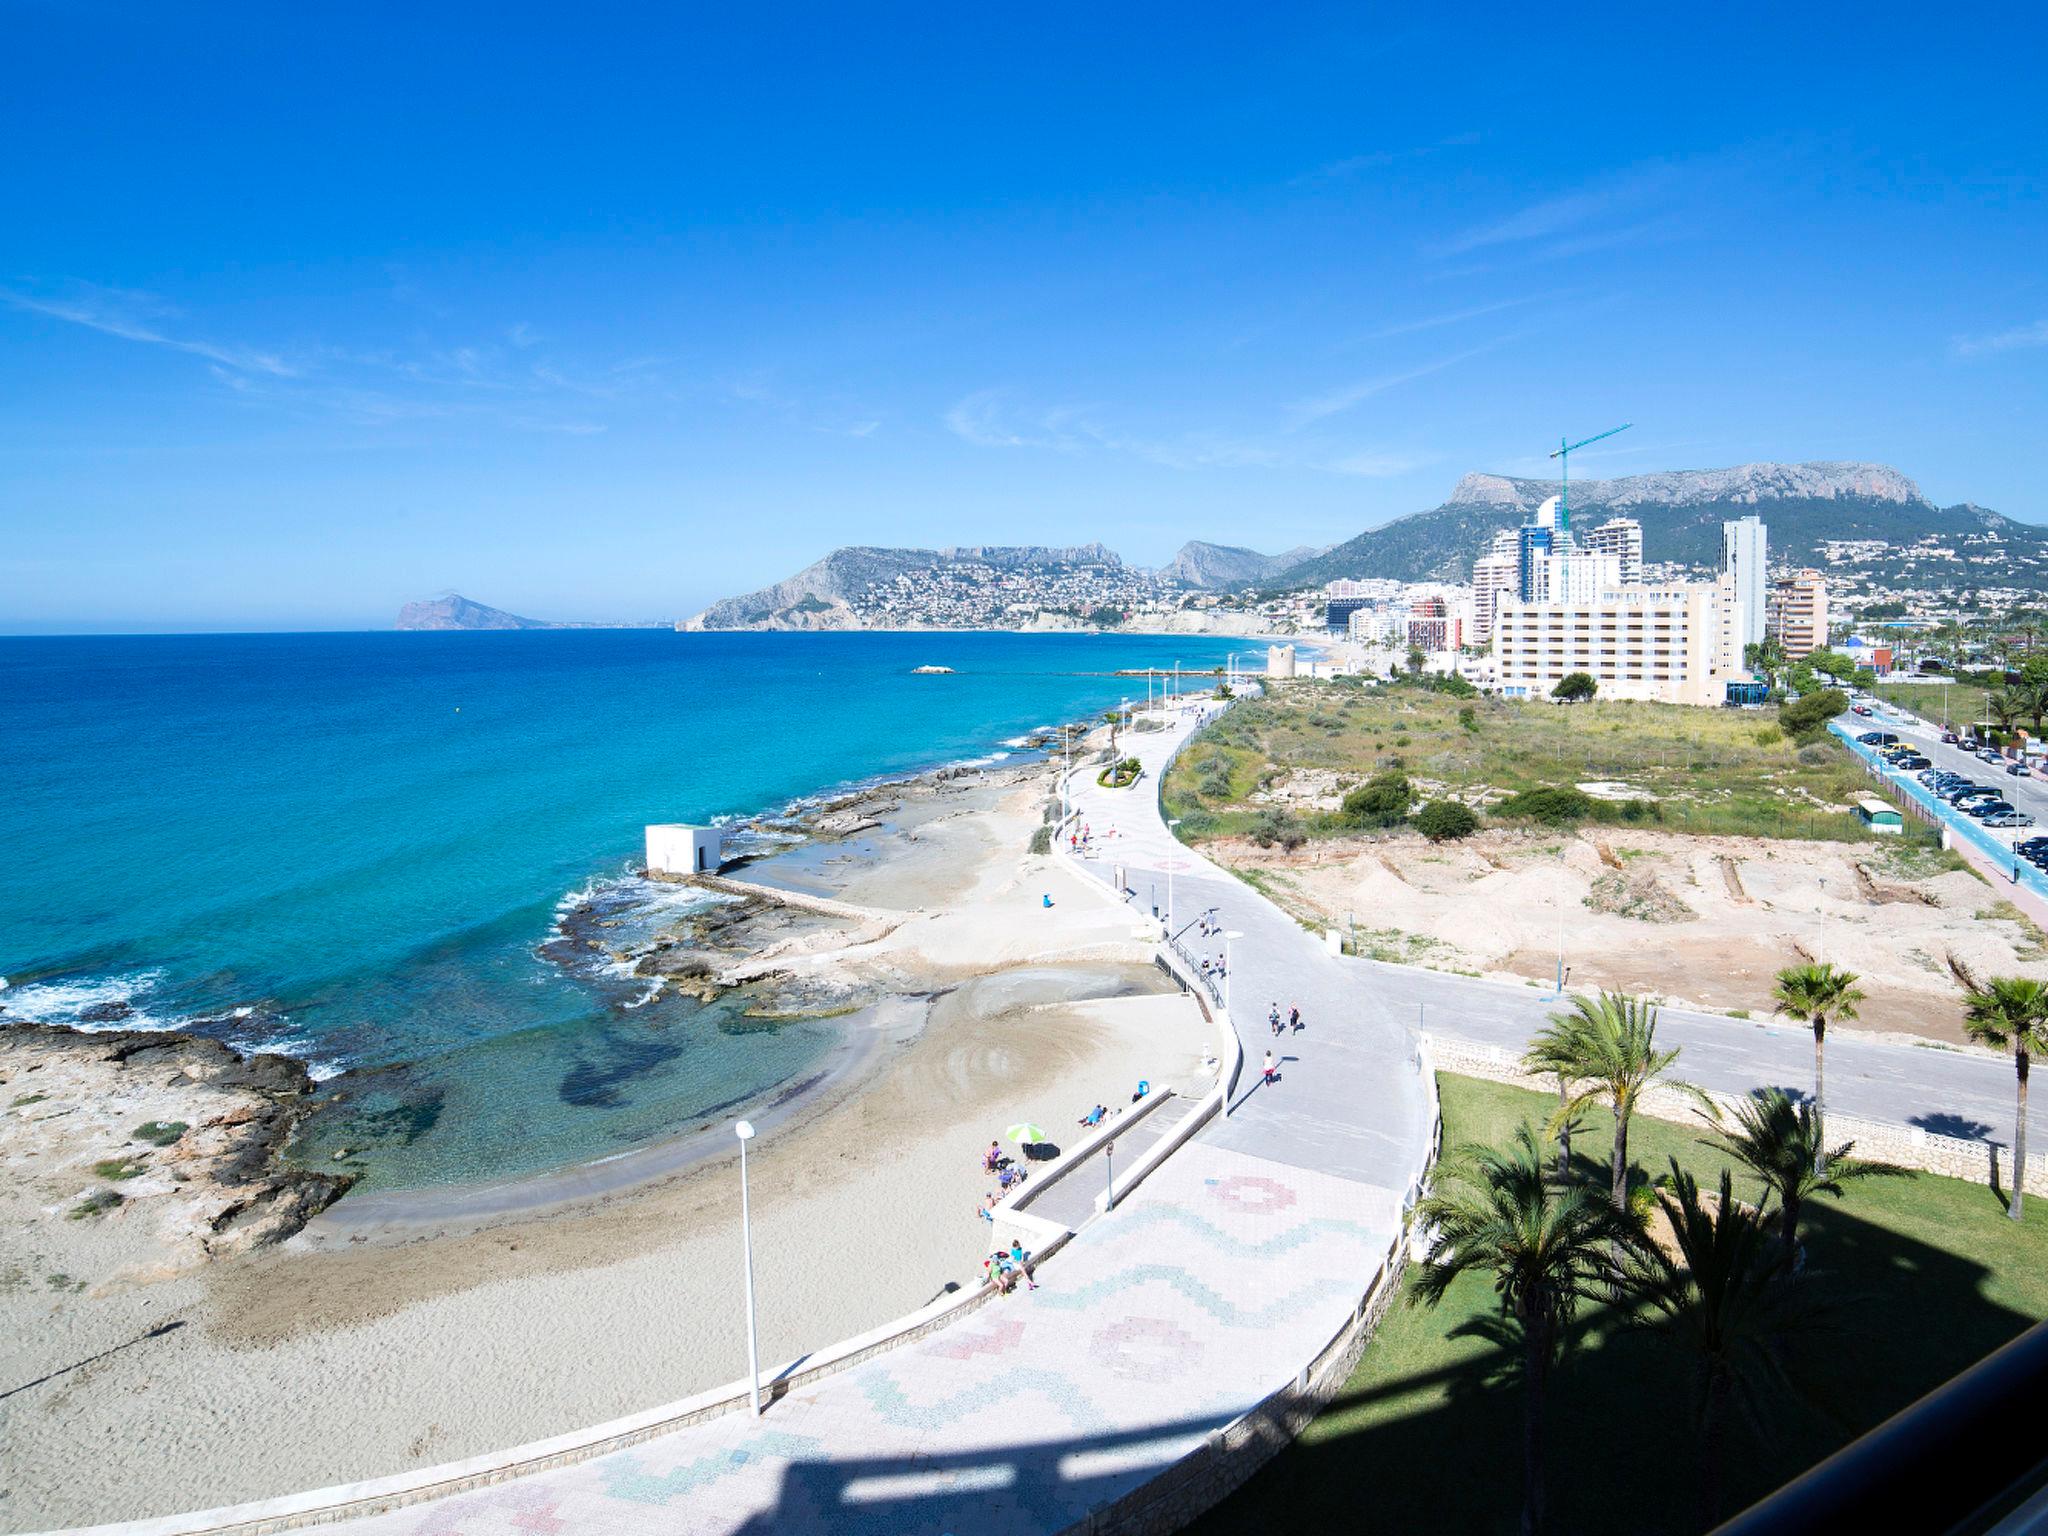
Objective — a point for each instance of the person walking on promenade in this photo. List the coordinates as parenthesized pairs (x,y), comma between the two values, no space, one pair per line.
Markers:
(1269,1068)
(1294,1018)
(1273,1017)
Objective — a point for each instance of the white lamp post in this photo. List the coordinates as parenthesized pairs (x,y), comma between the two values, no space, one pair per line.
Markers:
(1171,861)
(745,1131)
(1229,970)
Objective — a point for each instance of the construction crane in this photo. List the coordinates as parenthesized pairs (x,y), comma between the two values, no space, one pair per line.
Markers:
(1564,457)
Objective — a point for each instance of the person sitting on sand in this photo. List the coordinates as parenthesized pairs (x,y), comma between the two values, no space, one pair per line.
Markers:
(992,1159)
(1144,1087)
(1094,1116)
(986,1210)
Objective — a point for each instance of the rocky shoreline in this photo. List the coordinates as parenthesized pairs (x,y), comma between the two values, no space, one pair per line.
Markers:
(133,1155)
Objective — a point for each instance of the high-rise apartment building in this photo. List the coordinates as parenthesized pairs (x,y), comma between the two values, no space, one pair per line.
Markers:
(1494,576)
(1743,548)
(1533,544)
(1621,537)
(1666,643)
(1798,617)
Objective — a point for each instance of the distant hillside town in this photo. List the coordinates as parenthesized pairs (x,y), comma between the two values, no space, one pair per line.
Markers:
(1655,585)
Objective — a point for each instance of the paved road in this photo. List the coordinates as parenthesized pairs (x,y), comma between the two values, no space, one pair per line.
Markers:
(1948,1092)
(1350,1099)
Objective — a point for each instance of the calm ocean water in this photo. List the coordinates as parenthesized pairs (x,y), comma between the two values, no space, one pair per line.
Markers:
(350,847)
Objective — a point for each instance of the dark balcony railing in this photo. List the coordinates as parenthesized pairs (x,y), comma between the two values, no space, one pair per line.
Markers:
(1955,1463)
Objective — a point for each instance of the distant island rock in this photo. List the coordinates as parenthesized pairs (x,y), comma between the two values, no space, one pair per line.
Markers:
(451,610)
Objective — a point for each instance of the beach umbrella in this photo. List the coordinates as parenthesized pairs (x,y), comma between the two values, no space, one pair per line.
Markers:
(1026,1132)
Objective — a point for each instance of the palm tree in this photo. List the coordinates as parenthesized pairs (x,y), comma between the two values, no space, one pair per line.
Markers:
(1613,1040)
(1779,1142)
(1727,1301)
(1818,995)
(2004,706)
(1495,1212)
(2012,1010)
(1553,1054)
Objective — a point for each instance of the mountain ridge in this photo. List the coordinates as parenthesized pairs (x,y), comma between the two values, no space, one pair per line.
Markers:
(1806,506)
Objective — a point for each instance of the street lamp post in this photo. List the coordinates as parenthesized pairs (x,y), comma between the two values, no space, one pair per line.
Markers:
(1229,970)
(1823,910)
(744,1129)
(1171,860)
(1560,921)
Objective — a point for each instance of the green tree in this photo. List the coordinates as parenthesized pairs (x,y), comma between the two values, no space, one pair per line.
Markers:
(2011,1010)
(1445,820)
(1574,686)
(1493,1212)
(2005,706)
(1415,659)
(1727,1302)
(1612,1042)
(1766,658)
(1818,995)
(1779,1142)
(1554,1054)
(1382,801)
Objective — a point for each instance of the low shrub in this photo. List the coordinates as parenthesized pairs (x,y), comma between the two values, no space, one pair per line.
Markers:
(1041,840)
(160,1133)
(1555,805)
(1444,820)
(1270,827)
(98,1203)
(1382,801)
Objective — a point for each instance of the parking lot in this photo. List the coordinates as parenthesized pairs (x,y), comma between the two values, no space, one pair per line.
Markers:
(2028,793)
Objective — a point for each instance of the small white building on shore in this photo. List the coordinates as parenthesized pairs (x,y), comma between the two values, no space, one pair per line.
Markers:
(677,848)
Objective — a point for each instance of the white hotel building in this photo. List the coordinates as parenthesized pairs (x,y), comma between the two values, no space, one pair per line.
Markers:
(1675,643)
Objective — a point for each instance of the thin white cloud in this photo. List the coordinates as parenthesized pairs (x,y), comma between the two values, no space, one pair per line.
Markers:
(1380,464)
(1437,322)
(2017,339)
(1571,214)
(132,317)
(1319,407)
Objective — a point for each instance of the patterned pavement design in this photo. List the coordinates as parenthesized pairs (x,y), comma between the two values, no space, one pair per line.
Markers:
(1204,1291)
(1200,1295)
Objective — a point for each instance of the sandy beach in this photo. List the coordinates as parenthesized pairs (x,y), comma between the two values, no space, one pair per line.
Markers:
(362,1347)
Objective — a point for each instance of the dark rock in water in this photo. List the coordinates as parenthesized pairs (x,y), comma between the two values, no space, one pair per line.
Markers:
(673,961)
(104,1013)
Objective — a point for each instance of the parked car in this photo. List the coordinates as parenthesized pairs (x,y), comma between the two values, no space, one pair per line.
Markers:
(1910,763)
(1859,709)
(1949,738)
(2009,819)
(2017,770)
(1964,793)
(1991,755)
(1983,809)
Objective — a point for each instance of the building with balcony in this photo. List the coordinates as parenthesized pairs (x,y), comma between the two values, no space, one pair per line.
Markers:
(1668,643)
(1798,615)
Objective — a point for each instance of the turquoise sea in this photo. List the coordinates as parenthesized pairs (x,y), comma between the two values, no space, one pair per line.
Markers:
(352,847)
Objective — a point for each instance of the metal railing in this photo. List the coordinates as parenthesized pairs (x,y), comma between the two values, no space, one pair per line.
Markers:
(1959,1461)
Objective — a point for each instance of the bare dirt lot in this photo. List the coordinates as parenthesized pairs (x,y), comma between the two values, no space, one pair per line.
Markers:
(1706,920)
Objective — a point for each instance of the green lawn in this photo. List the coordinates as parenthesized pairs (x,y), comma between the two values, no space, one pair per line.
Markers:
(1426,1434)
(1710,771)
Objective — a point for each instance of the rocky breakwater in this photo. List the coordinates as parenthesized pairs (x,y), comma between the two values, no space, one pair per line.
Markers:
(132,1155)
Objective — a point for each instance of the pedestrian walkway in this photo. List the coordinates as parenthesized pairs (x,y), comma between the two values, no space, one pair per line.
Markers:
(1208,1289)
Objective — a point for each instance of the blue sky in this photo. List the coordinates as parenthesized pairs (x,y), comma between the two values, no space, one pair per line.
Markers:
(606,311)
